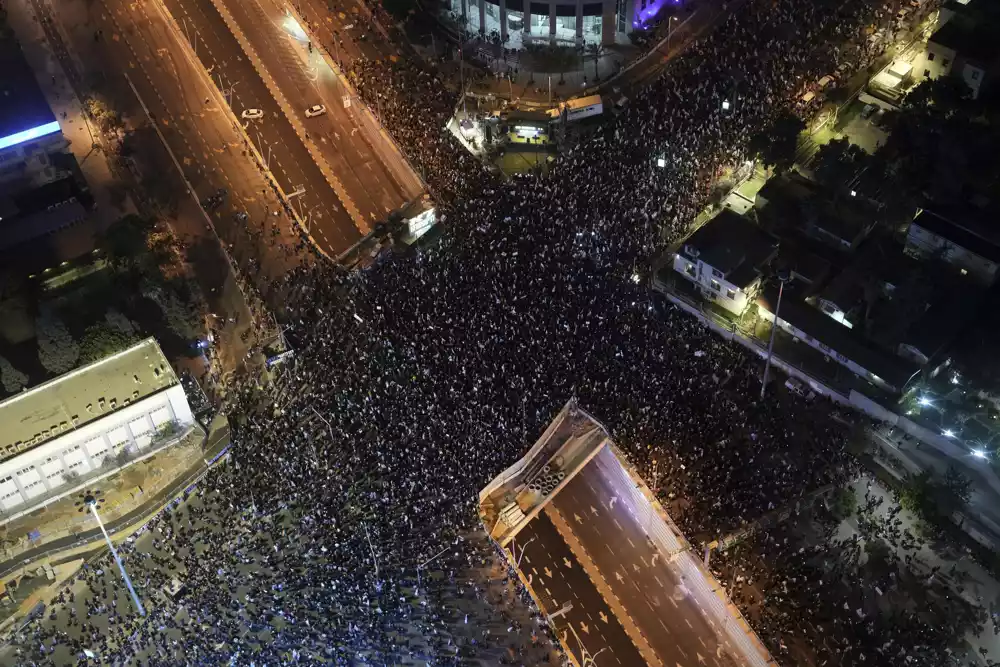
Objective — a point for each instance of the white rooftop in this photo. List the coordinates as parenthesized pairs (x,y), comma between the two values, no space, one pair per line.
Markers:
(80,396)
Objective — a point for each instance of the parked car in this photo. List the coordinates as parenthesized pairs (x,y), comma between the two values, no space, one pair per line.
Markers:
(252,114)
(315,110)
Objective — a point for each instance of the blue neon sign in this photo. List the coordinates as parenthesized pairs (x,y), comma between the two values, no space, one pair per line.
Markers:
(28,135)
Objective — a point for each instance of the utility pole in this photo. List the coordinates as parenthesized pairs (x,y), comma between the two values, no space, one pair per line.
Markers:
(425,564)
(90,501)
(783,277)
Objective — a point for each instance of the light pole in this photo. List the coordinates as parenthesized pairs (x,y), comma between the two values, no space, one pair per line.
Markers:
(670,31)
(90,501)
(425,564)
(783,277)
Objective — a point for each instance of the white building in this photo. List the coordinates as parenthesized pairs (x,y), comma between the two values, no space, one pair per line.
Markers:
(963,49)
(724,260)
(969,248)
(69,427)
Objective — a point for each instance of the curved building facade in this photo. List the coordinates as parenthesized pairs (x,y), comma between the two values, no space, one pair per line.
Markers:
(518,22)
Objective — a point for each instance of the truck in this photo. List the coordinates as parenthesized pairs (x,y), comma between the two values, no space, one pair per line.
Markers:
(577,109)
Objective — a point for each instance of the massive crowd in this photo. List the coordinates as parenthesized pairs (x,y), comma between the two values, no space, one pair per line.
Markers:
(417,381)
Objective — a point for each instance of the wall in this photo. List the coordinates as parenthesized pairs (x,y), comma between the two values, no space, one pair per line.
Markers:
(42,469)
(704,275)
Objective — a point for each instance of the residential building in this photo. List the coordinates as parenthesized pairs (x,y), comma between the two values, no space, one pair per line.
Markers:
(968,245)
(965,48)
(848,348)
(725,259)
(73,425)
(794,204)
(41,187)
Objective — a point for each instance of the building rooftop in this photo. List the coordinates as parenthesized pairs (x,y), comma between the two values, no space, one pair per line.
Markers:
(894,371)
(81,396)
(797,203)
(973,41)
(23,107)
(734,245)
(965,235)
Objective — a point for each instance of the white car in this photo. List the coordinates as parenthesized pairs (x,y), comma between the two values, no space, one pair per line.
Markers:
(252,114)
(315,110)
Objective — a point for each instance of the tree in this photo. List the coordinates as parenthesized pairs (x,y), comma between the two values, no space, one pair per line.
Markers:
(945,96)
(183,318)
(399,9)
(106,118)
(101,340)
(117,321)
(12,379)
(843,502)
(57,351)
(954,491)
(775,145)
(125,241)
(839,162)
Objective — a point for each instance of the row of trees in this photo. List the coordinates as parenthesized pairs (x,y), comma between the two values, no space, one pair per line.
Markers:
(145,263)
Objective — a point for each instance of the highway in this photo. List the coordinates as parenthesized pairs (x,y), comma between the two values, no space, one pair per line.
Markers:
(611,525)
(557,578)
(373,173)
(289,160)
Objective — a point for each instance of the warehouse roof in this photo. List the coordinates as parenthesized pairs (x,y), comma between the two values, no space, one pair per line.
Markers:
(81,396)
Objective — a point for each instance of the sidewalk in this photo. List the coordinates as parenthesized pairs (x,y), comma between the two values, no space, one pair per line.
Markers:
(215,443)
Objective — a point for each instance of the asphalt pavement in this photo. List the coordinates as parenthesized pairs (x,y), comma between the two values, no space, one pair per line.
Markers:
(615,530)
(558,579)
(215,443)
(360,157)
(289,160)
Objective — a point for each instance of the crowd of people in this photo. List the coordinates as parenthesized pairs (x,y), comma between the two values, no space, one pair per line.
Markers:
(345,522)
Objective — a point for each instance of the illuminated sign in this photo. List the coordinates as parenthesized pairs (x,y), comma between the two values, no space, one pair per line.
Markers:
(28,135)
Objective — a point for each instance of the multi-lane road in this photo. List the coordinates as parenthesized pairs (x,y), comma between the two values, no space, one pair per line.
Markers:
(373,174)
(567,595)
(294,169)
(616,529)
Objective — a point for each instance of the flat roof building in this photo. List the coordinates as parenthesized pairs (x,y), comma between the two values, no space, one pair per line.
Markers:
(725,259)
(70,427)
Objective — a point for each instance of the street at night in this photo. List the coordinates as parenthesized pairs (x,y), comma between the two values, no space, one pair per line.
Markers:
(369,405)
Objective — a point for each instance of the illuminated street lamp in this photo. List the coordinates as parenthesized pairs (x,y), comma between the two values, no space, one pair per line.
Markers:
(948,433)
(979,454)
(91,499)
(725,105)
(924,401)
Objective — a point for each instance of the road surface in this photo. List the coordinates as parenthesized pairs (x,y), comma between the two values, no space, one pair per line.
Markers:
(604,515)
(293,167)
(373,173)
(557,578)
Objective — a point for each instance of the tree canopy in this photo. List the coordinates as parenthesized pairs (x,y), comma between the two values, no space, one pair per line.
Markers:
(775,145)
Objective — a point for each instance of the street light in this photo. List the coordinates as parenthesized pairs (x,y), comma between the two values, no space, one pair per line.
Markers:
(924,401)
(979,454)
(783,277)
(425,564)
(91,499)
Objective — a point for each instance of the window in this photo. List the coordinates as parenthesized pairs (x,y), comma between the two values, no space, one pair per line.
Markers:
(716,286)
(731,294)
(927,72)
(690,271)
(716,273)
(975,74)
(930,57)
(945,62)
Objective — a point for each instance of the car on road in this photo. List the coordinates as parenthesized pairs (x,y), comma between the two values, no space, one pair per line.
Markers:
(252,114)
(315,110)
